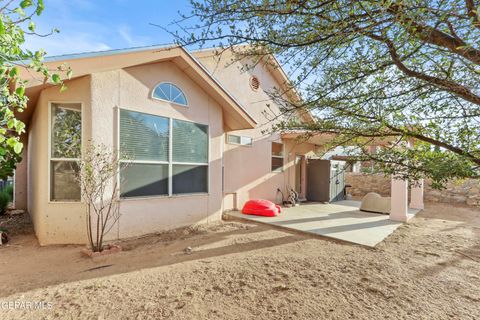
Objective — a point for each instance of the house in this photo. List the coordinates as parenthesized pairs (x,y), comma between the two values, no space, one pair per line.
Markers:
(192,122)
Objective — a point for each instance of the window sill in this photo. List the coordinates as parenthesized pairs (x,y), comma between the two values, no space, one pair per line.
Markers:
(240,145)
(202,194)
(65,202)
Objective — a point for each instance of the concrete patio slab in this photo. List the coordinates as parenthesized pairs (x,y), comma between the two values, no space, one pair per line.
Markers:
(340,220)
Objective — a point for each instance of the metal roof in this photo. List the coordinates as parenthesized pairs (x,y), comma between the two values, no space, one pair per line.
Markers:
(95,54)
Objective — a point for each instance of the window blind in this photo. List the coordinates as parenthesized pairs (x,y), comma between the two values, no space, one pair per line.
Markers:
(143,136)
(190,142)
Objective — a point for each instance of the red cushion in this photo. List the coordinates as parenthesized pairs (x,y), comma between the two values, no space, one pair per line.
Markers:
(261,208)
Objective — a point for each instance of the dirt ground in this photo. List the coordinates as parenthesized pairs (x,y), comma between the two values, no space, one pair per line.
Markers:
(427,269)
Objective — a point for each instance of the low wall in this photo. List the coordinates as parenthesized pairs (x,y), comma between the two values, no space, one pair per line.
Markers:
(466,191)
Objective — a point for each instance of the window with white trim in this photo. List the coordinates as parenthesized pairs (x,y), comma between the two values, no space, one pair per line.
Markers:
(189,157)
(165,156)
(169,92)
(144,140)
(277,156)
(65,151)
(239,140)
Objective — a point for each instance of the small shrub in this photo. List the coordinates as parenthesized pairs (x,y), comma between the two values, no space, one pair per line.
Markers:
(4,200)
(9,191)
(98,169)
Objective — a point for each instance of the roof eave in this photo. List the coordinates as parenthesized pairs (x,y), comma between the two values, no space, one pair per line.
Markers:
(238,118)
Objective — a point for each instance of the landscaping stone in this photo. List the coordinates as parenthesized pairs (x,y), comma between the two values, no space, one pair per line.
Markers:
(14,212)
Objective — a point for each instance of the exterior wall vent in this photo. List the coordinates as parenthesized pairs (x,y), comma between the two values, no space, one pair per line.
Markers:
(254,83)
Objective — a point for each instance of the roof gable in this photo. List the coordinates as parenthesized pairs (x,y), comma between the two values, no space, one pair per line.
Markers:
(271,64)
(235,115)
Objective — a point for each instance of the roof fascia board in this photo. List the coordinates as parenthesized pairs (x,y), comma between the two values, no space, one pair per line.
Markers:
(202,67)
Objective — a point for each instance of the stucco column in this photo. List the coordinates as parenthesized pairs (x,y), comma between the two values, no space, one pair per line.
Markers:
(416,195)
(399,199)
(303,180)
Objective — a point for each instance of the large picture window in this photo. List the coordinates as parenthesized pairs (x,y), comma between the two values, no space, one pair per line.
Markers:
(65,151)
(166,156)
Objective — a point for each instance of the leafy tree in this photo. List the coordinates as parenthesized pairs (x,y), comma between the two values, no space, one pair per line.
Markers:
(371,72)
(16,21)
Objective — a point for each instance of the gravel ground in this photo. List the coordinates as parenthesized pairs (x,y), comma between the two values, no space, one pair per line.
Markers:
(428,269)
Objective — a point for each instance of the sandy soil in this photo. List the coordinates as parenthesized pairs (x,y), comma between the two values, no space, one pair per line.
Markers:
(428,269)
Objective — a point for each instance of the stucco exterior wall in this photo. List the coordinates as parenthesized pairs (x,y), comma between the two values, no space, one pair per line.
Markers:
(247,169)
(54,222)
(102,94)
(131,89)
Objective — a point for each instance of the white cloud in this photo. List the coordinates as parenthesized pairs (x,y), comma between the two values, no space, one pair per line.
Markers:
(77,33)
(80,31)
(125,33)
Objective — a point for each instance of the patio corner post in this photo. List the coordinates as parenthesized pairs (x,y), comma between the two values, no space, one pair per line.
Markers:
(399,199)
(416,195)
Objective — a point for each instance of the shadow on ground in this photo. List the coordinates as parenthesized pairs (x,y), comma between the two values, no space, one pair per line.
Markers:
(27,265)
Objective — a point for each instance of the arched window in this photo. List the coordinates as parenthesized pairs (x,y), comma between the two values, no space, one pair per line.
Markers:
(169,92)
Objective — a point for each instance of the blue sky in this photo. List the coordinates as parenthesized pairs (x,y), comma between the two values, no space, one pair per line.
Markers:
(92,25)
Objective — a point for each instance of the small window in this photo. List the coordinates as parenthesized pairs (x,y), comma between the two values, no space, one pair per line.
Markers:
(254,83)
(65,151)
(277,156)
(169,92)
(240,140)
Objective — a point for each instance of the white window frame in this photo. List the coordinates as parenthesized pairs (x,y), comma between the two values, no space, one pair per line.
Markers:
(278,157)
(241,138)
(172,102)
(50,158)
(170,161)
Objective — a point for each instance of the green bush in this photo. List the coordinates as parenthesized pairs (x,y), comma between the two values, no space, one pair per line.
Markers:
(4,200)
(9,191)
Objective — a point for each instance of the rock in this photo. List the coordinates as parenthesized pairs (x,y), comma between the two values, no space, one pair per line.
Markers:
(459,199)
(3,238)
(460,191)
(15,212)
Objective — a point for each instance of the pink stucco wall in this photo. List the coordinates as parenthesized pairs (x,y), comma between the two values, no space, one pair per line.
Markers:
(131,89)
(102,94)
(248,172)
(54,222)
